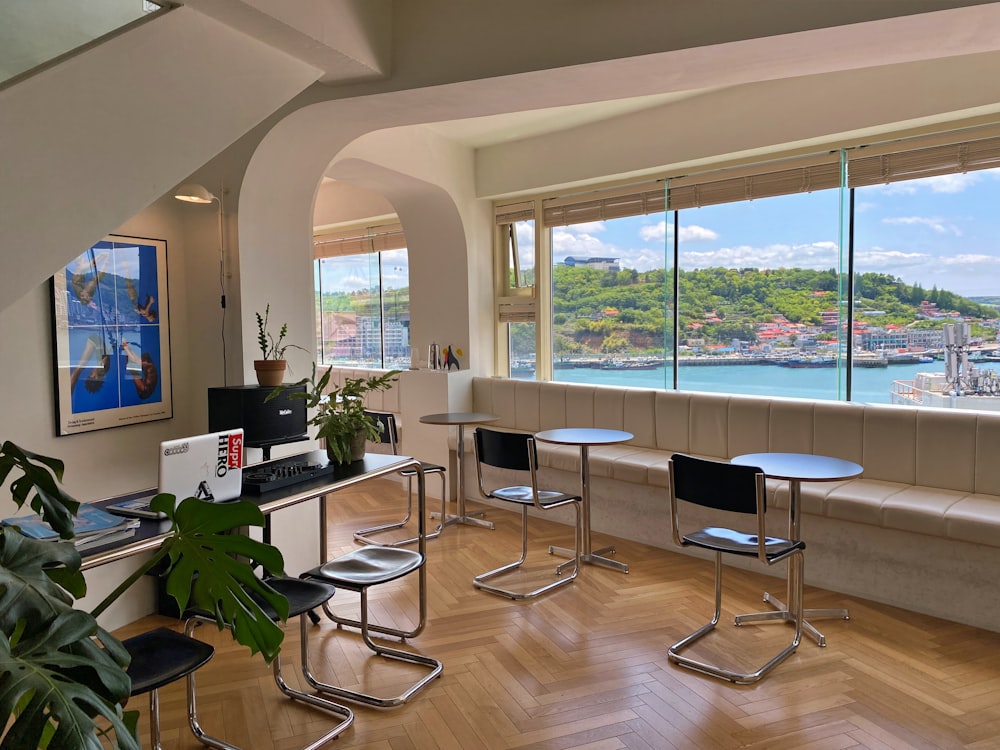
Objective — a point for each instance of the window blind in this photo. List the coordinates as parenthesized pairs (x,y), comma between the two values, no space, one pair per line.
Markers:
(909,160)
(358,241)
(633,200)
(803,175)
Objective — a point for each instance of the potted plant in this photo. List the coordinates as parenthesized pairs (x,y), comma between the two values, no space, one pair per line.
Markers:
(270,368)
(339,413)
(59,670)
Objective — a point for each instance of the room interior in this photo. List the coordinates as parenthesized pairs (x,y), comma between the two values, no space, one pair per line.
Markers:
(339,110)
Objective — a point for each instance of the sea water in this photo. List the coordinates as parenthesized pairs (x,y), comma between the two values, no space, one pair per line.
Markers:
(868,384)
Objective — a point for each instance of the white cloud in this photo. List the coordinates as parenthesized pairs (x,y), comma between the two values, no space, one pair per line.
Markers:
(814,255)
(586,227)
(936,224)
(655,232)
(945,183)
(988,263)
(692,233)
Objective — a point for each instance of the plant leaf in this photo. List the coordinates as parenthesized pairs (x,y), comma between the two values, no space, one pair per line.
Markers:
(42,475)
(206,575)
(33,576)
(58,681)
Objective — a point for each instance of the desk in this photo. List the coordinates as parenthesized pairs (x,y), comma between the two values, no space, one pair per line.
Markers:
(151,533)
(798,468)
(586,437)
(460,419)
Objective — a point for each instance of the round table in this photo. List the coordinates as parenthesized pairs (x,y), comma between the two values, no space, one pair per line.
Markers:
(586,437)
(460,419)
(797,468)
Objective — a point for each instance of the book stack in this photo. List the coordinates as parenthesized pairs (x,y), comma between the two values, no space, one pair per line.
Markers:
(92,526)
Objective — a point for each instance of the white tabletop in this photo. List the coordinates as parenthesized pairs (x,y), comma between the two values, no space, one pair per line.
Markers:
(805,467)
(584,436)
(459,417)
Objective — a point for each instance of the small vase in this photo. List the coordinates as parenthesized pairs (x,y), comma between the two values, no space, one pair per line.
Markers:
(270,372)
(357,448)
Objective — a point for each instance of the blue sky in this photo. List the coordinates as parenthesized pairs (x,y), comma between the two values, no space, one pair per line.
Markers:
(941,231)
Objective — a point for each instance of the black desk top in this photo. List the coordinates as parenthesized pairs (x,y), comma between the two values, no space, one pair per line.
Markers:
(151,532)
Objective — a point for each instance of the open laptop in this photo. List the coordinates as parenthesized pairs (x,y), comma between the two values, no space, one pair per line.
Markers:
(208,467)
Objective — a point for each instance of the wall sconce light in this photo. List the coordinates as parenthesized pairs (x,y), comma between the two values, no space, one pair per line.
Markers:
(191,192)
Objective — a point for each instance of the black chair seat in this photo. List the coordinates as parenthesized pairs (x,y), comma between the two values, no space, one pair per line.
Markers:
(161,656)
(526,496)
(736,543)
(302,596)
(516,452)
(368,566)
(428,469)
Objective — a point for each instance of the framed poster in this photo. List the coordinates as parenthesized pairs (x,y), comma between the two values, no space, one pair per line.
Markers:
(111,336)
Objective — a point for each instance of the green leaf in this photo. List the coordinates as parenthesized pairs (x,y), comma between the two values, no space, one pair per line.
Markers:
(33,576)
(206,574)
(41,475)
(57,681)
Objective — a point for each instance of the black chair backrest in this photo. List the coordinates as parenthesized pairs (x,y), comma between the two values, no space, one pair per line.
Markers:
(506,450)
(386,422)
(714,484)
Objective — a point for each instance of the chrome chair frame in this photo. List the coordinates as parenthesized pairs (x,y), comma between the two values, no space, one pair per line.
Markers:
(147,679)
(372,565)
(500,450)
(723,486)
(286,587)
(390,436)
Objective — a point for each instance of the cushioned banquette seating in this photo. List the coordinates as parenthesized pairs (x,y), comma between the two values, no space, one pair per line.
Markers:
(929,498)
(920,529)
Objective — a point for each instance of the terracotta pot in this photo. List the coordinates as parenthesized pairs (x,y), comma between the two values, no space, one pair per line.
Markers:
(270,372)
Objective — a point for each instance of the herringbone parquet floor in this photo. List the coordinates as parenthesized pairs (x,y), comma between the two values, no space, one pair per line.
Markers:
(586,666)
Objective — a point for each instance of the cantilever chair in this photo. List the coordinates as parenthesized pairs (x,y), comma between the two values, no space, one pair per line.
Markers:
(516,451)
(160,657)
(303,597)
(362,568)
(389,435)
(727,487)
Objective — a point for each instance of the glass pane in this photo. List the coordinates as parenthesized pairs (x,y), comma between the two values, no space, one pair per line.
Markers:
(521,338)
(396,308)
(758,301)
(608,301)
(927,283)
(521,255)
(349,311)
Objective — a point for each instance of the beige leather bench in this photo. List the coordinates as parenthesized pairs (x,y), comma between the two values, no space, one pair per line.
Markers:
(920,528)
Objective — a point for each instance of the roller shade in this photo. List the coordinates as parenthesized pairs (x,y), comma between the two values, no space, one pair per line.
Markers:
(356,242)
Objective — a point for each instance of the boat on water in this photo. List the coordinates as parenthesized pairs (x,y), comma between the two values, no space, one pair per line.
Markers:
(804,362)
(962,385)
(630,364)
(870,359)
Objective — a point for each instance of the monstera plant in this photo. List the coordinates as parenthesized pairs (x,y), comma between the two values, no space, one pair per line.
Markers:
(63,682)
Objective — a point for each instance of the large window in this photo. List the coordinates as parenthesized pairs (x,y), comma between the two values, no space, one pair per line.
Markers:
(363,299)
(868,274)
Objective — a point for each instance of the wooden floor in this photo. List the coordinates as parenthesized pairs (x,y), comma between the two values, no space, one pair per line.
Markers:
(586,666)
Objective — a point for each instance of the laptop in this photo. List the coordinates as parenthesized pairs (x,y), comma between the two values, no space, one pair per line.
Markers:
(208,467)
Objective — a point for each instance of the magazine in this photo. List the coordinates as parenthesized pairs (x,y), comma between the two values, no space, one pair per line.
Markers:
(92,526)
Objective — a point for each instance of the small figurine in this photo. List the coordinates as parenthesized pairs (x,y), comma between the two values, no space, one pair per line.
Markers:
(450,358)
